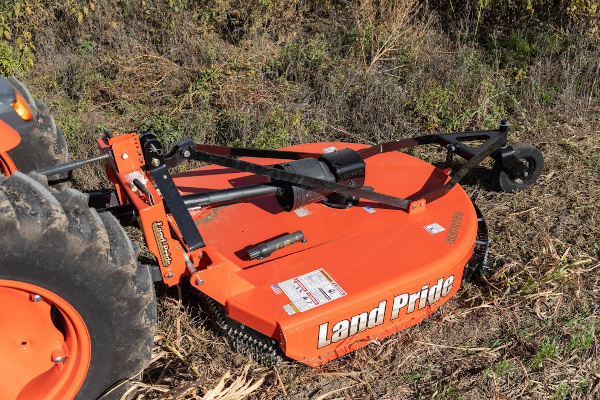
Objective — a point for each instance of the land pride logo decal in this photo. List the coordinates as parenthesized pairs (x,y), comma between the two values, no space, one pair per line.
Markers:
(405,302)
(161,241)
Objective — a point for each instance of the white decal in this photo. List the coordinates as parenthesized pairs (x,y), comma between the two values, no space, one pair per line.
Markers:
(302,212)
(290,309)
(434,228)
(329,149)
(276,289)
(311,290)
(135,175)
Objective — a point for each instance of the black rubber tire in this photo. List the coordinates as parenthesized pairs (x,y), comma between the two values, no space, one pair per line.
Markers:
(54,240)
(45,145)
(531,157)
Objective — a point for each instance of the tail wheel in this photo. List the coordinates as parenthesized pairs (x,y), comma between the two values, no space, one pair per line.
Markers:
(45,145)
(533,160)
(78,314)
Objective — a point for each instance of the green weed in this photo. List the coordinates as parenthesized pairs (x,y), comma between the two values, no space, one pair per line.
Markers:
(503,367)
(548,349)
(583,338)
(444,390)
(9,65)
(166,128)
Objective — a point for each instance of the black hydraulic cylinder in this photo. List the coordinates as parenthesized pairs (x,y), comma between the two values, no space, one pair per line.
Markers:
(228,196)
(264,250)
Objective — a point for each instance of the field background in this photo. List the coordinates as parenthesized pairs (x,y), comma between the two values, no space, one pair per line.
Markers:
(269,73)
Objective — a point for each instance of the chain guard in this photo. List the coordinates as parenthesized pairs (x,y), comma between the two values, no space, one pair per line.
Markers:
(244,340)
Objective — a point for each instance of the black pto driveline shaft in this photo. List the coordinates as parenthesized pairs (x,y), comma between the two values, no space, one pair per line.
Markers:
(227,196)
(215,198)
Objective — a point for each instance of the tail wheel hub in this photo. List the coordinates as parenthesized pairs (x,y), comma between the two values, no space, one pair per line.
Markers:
(44,343)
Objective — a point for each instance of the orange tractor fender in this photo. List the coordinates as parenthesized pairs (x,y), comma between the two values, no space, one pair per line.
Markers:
(10,140)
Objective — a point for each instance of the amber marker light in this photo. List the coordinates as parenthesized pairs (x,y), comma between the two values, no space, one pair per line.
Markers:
(20,106)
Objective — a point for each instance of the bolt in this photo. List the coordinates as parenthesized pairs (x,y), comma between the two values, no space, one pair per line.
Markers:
(59,360)
(186,153)
(124,156)
(199,281)
(525,174)
(36,298)
(422,204)
(169,275)
(155,162)
(414,206)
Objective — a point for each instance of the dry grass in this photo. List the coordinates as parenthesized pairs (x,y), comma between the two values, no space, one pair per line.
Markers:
(273,73)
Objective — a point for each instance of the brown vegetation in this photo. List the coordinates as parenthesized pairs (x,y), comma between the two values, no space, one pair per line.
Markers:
(269,73)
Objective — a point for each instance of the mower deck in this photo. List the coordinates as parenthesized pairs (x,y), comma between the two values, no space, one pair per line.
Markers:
(363,273)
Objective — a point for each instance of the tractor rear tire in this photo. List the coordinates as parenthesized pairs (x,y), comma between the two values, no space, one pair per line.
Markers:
(45,146)
(76,281)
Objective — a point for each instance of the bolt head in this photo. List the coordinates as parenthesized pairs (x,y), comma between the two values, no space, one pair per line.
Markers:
(155,162)
(59,360)
(125,156)
(199,281)
(525,174)
(36,298)
(169,275)
(186,153)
